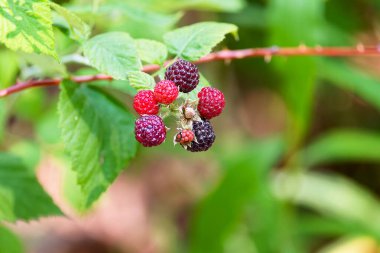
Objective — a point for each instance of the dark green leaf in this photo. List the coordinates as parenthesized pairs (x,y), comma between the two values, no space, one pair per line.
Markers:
(98,133)
(21,196)
(218,214)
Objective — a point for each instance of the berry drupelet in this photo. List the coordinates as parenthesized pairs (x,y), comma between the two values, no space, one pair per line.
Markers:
(150,130)
(204,136)
(211,102)
(184,74)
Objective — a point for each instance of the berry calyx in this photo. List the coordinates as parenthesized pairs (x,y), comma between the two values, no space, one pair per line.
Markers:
(211,102)
(150,130)
(144,103)
(204,136)
(184,74)
(184,137)
(165,92)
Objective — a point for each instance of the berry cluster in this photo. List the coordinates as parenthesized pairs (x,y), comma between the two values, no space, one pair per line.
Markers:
(195,130)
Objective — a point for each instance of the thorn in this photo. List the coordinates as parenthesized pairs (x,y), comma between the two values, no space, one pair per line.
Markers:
(360,47)
(268,58)
(319,48)
(302,47)
(274,49)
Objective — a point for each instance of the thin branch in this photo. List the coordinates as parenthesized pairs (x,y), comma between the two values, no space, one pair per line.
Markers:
(225,55)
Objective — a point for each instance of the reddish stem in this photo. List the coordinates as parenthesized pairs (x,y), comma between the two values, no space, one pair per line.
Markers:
(226,55)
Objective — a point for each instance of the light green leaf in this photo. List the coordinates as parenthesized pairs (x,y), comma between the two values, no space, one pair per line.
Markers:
(21,196)
(98,133)
(113,53)
(80,31)
(194,41)
(141,81)
(139,22)
(26,26)
(9,242)
(343,145)
(333,196)
(204,5)
(352,79)
(151,51)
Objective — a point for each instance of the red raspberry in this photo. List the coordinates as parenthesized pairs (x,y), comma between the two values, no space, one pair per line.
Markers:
(150,130)
(144,103)
(165,92)
(184,74)
(185,137)
(211,102)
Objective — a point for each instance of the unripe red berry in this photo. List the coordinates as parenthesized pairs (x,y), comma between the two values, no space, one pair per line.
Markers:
(144,103)
(211,102)
(165,92)
(184,137)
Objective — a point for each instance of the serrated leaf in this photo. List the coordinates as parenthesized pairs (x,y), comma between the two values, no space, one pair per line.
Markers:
(140,80)
(151,51)
(343,145)
(79,30)
(26,26)
(21,196)
(99,135)
(194,41)
(113,53)
(9,242)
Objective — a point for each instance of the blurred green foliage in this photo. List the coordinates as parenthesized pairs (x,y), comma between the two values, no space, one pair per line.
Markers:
(274,193)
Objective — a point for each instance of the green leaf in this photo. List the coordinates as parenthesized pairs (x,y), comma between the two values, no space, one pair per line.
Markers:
(352,79)
(218,213)
(139,22)
(333,196)
(141,81)
(79,30)
(194,41)
(26,26)
(99,135)
(151,51)
(343,145)
(113,53)
(9,242)
(204,5)
(21,196)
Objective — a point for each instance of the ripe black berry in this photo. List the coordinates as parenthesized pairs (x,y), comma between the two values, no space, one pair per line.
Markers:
(184,74)
(204,136)
(150,130)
